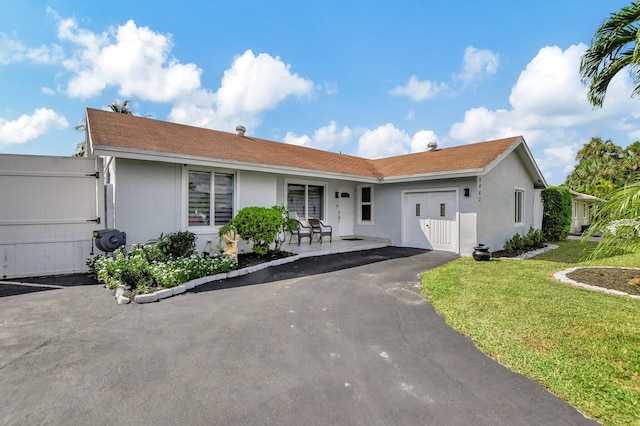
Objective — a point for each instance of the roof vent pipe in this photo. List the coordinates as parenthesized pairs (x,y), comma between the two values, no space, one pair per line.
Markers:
(432,146)
(241,130)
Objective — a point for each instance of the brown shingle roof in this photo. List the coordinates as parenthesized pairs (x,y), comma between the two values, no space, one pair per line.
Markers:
(466,157)
(124,132)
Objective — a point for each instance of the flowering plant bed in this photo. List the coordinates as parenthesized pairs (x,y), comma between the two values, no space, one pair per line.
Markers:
(143,270)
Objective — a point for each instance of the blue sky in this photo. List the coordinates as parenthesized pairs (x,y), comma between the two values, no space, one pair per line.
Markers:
(364,78)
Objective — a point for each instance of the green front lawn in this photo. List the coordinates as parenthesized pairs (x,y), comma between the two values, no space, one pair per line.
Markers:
(584,346)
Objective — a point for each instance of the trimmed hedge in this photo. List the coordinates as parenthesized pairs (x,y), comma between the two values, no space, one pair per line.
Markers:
(556,218)
(260,226)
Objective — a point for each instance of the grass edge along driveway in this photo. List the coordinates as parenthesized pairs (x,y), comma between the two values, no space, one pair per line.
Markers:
(583,346)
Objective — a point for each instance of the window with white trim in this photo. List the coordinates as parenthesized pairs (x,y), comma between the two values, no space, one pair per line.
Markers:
(365,205)
(519,207)
(575,209)
(210,198)
(306,200)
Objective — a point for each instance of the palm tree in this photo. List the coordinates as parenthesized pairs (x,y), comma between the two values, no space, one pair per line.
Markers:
(121,107)
(599,168)
(118,106)
(618,220)
(615,46)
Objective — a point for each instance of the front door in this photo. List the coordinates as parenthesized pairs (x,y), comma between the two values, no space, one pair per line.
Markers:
(345,212)
(431,220)
(416,225)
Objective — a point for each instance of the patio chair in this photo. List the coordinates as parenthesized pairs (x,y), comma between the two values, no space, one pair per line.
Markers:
(320,229)
(300,232)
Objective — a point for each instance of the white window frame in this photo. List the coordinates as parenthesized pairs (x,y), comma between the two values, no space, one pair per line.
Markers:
(575,209)
(212,227)
(306,184)
(518,193)
(364,203)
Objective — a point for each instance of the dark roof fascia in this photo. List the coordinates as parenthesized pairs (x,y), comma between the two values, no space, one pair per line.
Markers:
(133,154)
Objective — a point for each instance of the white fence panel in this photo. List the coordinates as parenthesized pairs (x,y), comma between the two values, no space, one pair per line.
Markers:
(49,207)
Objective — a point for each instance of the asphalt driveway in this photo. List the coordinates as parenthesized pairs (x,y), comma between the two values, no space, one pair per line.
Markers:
(283,346)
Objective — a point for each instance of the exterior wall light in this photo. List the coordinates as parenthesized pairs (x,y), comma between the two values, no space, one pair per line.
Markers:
(466,192)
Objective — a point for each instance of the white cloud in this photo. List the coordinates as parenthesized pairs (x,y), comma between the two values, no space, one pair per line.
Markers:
(550,88)
(292,139)
(137,62)
(47,91)
(12,51)
(478,63)
(549,108)
(326,138)
(419,90)
(330,88)
(384,141)
(420,141)
(482,124)
(257,83)
(251,86)
(29,127)
(134,59)
(410,115)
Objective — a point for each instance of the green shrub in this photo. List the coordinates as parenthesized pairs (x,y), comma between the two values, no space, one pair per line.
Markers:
(288,224)
(508,246)
(532,240)
(177,244)
(556,217)
(537,237)
(518,242)
(260,226)
(147,266)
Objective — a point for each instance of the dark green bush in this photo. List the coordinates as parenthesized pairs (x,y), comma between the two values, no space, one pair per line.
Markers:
(175,245)
(532,240)
(518,242)
(556,218)
(260,226)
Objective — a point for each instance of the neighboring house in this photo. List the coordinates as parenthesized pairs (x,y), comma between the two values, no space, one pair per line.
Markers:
(581,211)
(165,177)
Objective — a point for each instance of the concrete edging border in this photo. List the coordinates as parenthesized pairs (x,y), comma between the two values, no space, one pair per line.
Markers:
(562,277)
(182,288)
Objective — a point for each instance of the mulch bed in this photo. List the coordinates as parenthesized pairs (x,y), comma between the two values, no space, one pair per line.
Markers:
(510,254)
(246,260)
(611,278)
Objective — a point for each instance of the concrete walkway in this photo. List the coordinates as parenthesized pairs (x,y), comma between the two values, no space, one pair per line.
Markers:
(355,346)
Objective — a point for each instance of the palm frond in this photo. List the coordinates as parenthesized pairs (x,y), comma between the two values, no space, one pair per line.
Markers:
(615,46)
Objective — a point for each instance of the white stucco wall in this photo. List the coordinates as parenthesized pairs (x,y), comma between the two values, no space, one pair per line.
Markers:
(388,208)
(147,198)
(496,205)
(331,203)
(150,199)
(580,214)
(256,189)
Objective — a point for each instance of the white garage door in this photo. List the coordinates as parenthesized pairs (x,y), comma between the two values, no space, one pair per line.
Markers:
(431,220)
(49,207)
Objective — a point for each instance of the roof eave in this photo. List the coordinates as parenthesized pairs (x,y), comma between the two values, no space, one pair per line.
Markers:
(585,197)
(132,154)
(539,181)
(432,176)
